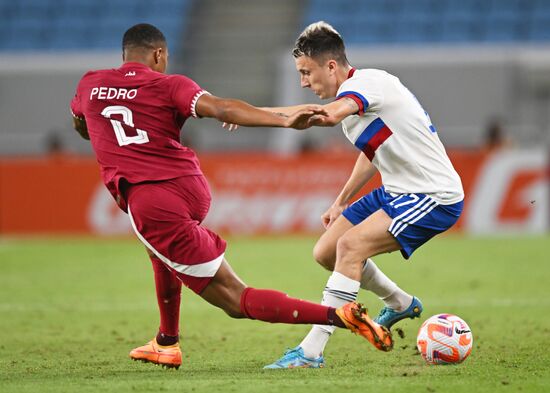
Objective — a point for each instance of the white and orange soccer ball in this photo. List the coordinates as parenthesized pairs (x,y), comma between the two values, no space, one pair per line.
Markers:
(444,339)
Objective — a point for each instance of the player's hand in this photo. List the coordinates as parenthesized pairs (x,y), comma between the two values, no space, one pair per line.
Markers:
(230,127)
(332,214)
(80,126)
(320,121)
(300,120)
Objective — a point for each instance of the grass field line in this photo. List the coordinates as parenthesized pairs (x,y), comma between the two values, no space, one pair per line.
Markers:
(26,307)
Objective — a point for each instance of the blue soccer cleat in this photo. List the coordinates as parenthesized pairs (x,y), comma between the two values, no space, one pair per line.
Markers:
(294,358)
(388,317)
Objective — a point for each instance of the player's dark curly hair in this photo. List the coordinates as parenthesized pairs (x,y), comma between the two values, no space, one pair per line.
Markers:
(143,35)
(321,41)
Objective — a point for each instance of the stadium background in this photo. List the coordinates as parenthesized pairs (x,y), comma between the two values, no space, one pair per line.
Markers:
(480,68)
(75,288)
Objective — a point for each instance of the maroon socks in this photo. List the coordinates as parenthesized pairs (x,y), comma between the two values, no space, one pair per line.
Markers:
(168,288)
(277,307)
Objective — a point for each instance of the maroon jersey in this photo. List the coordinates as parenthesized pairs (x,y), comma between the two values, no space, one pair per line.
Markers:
(134,116)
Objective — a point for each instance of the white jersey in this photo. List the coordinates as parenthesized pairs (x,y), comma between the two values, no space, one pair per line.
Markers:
(396,134)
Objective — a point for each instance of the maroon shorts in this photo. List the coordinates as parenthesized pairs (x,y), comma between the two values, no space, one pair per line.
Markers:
(166,217)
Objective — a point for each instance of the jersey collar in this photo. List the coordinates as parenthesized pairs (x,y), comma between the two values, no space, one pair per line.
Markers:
(351,72)
(134,64)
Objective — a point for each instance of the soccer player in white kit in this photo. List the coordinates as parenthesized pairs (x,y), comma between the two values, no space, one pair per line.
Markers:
(421,194)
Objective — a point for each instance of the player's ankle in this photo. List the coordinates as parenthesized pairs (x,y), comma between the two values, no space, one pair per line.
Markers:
(334,319)
(398,301)
(165,340)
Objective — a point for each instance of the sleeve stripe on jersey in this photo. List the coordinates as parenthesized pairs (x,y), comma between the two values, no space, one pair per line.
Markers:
(194,102)
(372,137)
(358,98)
(357,101)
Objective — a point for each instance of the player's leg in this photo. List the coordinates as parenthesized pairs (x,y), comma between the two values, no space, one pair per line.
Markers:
(338,289)
(416,218)
(164,348)
(324,250)
(398,304)
(309,352)
(372,278)
(369,238)
(226,291)
(160,214)
(355,245)
(168,290)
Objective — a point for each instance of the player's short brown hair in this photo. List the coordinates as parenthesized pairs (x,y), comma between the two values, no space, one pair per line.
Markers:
(321,41)
(143,35)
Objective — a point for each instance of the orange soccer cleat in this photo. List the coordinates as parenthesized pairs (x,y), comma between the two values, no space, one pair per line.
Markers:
(356,319)
(167,356)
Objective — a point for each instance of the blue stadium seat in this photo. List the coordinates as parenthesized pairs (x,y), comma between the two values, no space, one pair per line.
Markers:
(417,21)
(83,24)
(35,7)
(540,5)
(466,7)
(510,5)
(538,28)
(503,26)
(374,6)
(459,30)
(82,8)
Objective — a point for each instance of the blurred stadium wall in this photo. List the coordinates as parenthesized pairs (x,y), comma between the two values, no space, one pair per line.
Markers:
(481,68)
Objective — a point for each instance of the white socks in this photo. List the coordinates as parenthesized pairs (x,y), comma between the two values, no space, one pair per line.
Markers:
(339,291)
(374,280)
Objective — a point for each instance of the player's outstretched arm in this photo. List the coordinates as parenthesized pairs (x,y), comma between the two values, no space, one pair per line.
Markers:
(79,124)
(287,110)
(336,112)
(238,112)
(362,172)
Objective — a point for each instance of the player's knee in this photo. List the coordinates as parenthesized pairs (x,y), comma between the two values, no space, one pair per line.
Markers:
(323,255)
(232,303)
(235,314)
(346,246)
(233,309)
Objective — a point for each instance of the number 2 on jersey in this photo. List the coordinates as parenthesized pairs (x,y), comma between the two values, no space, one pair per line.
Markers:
(128,119)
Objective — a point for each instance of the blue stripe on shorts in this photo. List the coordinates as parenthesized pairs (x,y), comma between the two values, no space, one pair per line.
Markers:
(416,218)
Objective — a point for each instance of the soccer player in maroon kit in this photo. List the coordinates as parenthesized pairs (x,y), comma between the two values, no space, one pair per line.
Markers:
(133,115)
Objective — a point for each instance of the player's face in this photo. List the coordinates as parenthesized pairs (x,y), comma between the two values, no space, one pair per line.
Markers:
(320,78)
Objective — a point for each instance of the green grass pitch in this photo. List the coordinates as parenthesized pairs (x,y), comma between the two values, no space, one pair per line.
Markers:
(72,308)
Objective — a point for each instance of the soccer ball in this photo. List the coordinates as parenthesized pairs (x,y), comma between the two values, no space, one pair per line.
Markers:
(444,339)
